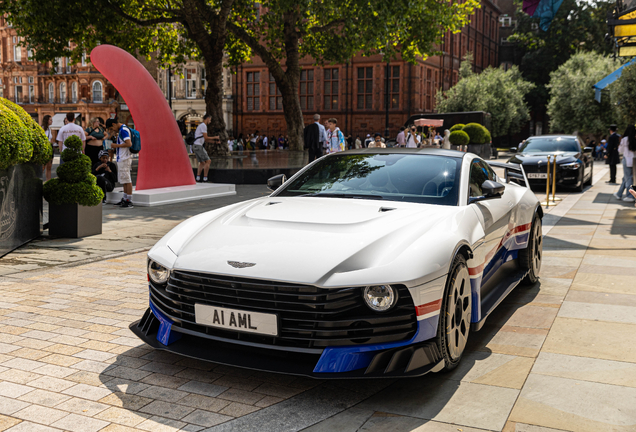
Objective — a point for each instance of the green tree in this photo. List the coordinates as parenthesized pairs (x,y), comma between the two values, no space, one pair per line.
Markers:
(579,25)
(623,96)
(498,92)
(572,107)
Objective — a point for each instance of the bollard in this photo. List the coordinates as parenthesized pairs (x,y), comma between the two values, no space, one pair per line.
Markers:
(554,197)
(547,201)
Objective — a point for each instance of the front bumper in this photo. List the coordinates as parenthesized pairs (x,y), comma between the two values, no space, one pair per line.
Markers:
(415,357)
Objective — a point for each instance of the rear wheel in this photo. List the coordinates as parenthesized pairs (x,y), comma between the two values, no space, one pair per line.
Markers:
(454,318)
(530,257)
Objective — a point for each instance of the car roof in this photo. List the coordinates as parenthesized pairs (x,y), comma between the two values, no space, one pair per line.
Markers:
(554,136)
(402,150)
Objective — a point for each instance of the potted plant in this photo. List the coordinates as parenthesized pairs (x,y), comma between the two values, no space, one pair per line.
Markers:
(74,197)
(458,138)
(479,137)
(24,148)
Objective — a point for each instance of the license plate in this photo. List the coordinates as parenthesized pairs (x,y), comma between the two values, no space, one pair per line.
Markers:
(233,319)
(537,175)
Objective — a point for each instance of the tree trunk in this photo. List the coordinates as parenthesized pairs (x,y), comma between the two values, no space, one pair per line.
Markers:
(214,103)
(293,113)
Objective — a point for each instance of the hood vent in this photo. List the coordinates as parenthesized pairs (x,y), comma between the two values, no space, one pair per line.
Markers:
(386,209)
(272,203)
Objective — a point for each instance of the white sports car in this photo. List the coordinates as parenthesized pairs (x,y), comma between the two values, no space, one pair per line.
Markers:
(366,263)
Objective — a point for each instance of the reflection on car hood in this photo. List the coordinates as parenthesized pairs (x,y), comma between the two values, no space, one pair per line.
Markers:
(533,158)
(307,239)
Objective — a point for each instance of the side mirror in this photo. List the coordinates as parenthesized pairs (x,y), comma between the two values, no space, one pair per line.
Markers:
(588,149)
(275,182)
(513,149)
(491,190)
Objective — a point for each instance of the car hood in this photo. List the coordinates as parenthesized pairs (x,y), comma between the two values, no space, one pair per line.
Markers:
(533,158)
(310,239)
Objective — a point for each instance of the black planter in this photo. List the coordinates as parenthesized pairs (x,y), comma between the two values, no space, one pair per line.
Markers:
(74,220)
(481,150)
(20,206)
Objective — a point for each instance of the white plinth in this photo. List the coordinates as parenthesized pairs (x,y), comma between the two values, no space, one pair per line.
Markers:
(172,195)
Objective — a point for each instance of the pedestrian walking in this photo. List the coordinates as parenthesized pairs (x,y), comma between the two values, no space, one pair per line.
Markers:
(446,145)
(315,137)
(94,140)
(412,139)
(200,138)
(377,142)
(123,157)
(335,137)
(400,140)
(613,158)
(70,128)
(358,143)
(47,121)
(627,148)
(105,172)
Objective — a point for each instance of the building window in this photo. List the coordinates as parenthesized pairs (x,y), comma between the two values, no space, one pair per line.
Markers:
(51,93)
(62,93)
(253,91)
(331,89)
(74,92)
(365,87)
(29,54)
(97,92)
(1,88)
(31,94)
(307,89)
(18,94)
(68,65)
(394,86)
(30,80)
(191,83)
(203,81)
(275,97)
(17,50)
(505,21)
(84,59)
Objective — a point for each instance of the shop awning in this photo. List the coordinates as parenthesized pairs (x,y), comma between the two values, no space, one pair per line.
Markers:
(58,121)
(429,122)
(609,79)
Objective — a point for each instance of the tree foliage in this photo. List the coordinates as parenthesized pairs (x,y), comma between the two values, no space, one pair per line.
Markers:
(623,96)
(578,25)
(572,107)
(498,92)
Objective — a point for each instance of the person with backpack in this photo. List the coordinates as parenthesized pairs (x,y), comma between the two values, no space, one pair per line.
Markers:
(123,157)
(200,138)
(335,138)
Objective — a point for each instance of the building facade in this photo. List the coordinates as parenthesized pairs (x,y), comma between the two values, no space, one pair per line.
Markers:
(356,93)
(187,90)
(43,89)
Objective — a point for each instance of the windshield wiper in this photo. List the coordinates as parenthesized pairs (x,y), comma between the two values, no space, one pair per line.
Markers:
(343,195)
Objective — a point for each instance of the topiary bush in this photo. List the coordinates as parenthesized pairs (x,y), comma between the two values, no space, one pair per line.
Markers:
(458,126)
(33,145)
(75,183)
(476,133)
(459,138)
(488,139)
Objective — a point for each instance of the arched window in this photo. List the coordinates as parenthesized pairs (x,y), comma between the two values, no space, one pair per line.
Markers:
(63,93)
(97,92)
(51,93)
(74,92)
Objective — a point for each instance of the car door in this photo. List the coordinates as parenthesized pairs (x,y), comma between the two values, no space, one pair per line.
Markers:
(495,217)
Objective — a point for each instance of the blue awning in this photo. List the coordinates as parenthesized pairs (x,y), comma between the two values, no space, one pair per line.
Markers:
(609,79)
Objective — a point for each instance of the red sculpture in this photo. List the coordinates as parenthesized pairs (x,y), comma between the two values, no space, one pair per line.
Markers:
(163,159)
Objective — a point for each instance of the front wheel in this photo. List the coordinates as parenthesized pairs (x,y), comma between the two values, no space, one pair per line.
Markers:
(589,182)
(455,314)
(530,257)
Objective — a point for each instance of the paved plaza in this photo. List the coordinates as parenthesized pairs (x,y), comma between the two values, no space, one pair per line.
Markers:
(559,355)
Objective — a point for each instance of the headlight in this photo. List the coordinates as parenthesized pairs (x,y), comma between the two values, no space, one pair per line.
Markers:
(380,298)
(158,273)
(572,165)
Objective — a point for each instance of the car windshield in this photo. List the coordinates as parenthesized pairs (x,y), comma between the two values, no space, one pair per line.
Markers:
(413,178)
(551,144)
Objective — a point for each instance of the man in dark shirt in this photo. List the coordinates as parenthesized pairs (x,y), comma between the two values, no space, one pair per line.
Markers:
(613,158)
(106,173)
(314,136)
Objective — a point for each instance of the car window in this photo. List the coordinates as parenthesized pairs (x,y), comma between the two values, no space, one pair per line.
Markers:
(417,178)
(479,173)
(551,144)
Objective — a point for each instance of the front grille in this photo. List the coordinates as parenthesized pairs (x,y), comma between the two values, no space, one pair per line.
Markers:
(309,317)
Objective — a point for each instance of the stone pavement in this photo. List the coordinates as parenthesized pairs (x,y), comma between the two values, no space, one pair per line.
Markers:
(559,355)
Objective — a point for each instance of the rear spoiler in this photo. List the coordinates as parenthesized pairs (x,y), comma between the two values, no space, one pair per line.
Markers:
(512,172)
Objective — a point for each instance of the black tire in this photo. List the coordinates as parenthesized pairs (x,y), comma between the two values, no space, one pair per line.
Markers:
(589,182)
(530,257)
(455,313)
(581,186)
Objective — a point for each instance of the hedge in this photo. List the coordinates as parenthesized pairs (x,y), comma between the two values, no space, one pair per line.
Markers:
(459,138)
(75,183)
(458,126)
(32,145)
(476,133)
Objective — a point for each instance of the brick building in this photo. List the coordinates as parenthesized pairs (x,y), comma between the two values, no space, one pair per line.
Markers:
(355,92)
(77,88)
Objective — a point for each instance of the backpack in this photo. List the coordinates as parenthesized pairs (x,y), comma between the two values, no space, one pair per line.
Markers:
(135,140)
(189,139)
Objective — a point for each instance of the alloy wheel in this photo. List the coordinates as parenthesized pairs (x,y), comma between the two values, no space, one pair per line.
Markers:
(537,252)
(458,312)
